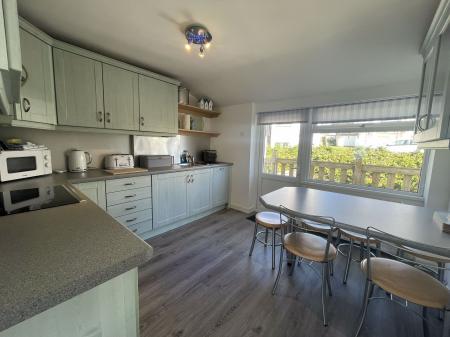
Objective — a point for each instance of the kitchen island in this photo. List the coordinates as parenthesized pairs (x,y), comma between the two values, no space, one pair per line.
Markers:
(68,270)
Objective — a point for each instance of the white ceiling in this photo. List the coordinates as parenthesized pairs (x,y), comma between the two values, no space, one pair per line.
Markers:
(262,50)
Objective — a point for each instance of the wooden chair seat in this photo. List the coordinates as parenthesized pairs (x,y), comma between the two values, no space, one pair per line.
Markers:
(309,246)
(407,282)
(356,236)
(426,256)
(269,219)
(315,227)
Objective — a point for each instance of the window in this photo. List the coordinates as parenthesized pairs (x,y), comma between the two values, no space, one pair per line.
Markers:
(370,158)
(365,145)
(281,149)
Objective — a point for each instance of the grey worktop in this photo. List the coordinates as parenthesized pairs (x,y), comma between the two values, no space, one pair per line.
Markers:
(409,225)
(49,256)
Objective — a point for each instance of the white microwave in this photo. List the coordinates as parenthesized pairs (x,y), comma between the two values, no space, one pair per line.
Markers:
(24,164)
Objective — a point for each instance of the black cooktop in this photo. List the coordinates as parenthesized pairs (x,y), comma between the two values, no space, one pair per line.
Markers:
(35,198)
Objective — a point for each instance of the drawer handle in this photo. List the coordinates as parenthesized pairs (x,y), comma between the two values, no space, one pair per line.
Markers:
(130,196)
(130,184)
(131,220)
(130,208)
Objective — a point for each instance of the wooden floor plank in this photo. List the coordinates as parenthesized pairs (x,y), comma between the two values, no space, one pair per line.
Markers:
(201,282)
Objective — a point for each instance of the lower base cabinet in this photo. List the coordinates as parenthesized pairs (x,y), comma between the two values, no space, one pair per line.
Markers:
(220,186)
(169,193)
(95,191)
(108,310)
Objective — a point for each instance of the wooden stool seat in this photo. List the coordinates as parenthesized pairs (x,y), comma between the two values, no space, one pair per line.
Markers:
(309,246)
(407,282)
(269,219)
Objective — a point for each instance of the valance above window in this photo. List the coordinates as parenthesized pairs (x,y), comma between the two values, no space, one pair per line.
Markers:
(283,117)
(388,109)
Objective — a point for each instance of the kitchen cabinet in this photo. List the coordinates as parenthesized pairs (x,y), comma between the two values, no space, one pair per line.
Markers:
(199,191)
(10,56)
(158,101)
(121,98)
(79,90)
(169,192)
(433,117)
(95,191)
(129,201)
(220,186)
(37,90)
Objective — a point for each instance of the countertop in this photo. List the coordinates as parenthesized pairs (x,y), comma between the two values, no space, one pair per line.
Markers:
(49,256)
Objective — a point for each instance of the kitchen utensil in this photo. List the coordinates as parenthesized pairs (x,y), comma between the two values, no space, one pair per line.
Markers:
(116,161)
(79,160)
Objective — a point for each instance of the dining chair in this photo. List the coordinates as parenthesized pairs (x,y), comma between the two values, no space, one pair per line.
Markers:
(404,281)
(271,221)
(354,239)
(299,243)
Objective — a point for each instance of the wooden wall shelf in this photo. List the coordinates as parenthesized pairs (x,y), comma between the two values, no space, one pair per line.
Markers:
(196,111)
(199,133)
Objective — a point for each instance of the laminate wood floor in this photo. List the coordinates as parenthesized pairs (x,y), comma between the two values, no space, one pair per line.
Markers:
(201,282)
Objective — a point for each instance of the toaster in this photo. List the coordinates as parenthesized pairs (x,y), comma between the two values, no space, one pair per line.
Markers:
(116,161)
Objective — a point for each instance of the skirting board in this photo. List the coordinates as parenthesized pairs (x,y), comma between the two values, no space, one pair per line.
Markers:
(180,223)
(240,208)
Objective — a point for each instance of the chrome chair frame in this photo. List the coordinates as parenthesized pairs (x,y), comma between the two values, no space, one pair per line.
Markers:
(294,224)
(374,233)
(273,244)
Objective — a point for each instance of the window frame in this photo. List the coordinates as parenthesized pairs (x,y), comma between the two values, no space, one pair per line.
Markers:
(304,161)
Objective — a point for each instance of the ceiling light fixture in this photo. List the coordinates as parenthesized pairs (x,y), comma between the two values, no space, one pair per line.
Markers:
(199,35)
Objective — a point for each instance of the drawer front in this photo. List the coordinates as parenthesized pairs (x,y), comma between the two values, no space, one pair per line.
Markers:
(115,185)
(141,227)
(135,218)
(129,207)
(128,196)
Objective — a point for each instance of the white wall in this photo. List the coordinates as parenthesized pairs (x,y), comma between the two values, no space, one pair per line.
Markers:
(236,144)
(97,144)
(437,188)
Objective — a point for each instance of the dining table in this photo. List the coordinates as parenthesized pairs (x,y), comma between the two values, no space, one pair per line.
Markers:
(402,224)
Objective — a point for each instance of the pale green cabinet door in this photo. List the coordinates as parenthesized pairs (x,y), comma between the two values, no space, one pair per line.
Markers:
(158,105)
(95,191)
(37,91)
(79,90)
(120,90)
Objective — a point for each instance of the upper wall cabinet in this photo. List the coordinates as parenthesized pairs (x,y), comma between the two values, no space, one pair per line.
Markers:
(37,103)
(158,105)
(121,95)
(79,90)
(433,117)
(10,56)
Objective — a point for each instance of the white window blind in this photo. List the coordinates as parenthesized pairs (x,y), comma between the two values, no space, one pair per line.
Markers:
(283,117)
(389,109)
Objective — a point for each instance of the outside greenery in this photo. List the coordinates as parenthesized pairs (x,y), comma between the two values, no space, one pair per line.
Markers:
(339,154)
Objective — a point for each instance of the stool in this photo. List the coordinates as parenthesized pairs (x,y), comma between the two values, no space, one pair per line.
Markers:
(270,221)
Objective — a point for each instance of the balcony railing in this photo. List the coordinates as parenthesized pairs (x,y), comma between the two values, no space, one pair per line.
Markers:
(398,178)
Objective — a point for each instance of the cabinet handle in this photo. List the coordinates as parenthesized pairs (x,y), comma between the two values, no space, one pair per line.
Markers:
(23,76)
(100,116)
(130,196)
(419,123)
(131,220)
(26,105)
(130,208)
(108,117)
(142,120)
(130,184)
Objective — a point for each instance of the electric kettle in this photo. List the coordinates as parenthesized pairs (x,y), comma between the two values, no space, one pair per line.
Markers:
(79,160)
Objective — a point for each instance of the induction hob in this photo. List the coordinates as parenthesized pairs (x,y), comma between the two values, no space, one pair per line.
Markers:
(35,198)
